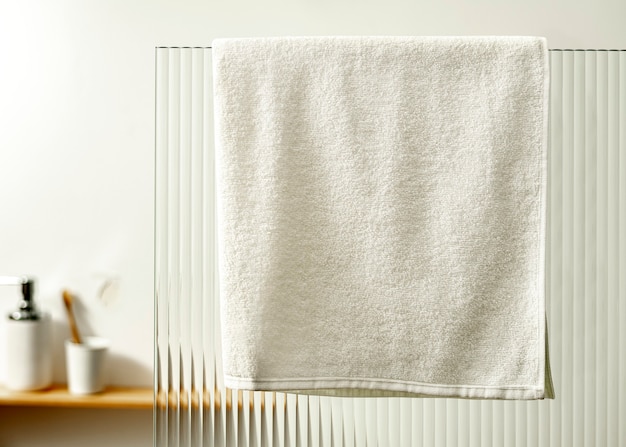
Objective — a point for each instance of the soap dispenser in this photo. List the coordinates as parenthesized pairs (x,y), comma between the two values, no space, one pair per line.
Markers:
(28,341)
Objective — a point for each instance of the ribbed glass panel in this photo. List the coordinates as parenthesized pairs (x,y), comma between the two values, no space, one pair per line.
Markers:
(586,285)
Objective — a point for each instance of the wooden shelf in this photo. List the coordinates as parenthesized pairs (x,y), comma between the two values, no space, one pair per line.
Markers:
(58,396)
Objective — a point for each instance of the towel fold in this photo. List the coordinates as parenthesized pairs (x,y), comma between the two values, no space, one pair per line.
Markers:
(381,215)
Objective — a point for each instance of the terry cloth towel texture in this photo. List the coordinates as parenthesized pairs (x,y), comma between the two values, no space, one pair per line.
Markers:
(381,215)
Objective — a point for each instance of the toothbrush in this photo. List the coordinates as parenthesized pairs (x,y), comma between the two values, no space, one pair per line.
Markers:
(68,300)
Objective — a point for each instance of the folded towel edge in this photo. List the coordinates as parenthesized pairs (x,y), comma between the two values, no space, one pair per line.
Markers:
(343,387)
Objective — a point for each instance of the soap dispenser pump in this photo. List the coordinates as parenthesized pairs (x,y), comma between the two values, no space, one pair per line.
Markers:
(28,341)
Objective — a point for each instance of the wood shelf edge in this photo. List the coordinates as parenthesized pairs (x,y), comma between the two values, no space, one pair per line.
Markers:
(58,396)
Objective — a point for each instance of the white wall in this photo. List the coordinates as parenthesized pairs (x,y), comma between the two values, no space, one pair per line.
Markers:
(77,137)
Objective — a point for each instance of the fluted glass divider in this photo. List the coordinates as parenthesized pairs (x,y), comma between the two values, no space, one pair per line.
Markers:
(586,285)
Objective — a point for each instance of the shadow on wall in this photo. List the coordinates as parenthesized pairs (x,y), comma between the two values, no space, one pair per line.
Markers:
(74,427)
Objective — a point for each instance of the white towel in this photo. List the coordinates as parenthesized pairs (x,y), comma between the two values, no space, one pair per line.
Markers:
(381,210)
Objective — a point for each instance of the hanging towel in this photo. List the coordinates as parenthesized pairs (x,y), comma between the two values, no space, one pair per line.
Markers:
(381,215)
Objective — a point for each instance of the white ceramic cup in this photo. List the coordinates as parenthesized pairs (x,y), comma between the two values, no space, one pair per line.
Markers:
(86,365)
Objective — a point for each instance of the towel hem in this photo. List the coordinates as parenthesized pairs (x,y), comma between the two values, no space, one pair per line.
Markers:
(384,388)
(543,367)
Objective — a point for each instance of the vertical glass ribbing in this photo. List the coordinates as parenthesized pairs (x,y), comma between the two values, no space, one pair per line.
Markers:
(586,284)
(187,410)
